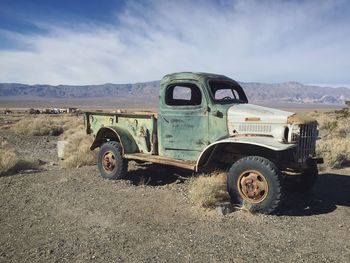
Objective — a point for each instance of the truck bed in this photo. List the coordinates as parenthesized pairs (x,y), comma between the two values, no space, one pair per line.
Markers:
(140,126)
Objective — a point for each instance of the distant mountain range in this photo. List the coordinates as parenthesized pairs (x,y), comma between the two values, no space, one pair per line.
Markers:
(290,92)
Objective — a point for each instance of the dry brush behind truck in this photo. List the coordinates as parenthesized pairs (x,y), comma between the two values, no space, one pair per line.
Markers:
(205,123)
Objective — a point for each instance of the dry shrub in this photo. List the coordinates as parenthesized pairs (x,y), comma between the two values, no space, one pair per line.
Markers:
(343,128)
(10,161)
(73,123)
(8,157)
(207,190)
(44,125)
(335,128)
(70,131)
(77,151)
(334,145)
(334,124)
(335,152)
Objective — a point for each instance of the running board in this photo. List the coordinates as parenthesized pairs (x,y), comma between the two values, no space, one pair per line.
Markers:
(161,160)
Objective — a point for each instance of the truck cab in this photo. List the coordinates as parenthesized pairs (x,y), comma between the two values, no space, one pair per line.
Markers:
(204,122)
(192,112)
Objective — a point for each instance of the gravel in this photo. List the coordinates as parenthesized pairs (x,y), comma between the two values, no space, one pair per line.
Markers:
(74,215)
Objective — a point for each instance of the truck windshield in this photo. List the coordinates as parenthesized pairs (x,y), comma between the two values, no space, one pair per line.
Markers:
(227,92)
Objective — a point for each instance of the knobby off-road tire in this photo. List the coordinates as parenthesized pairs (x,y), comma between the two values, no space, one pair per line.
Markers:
(303,182)
(110,161)
(256,183)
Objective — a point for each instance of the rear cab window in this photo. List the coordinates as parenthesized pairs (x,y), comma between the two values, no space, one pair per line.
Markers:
(183,95)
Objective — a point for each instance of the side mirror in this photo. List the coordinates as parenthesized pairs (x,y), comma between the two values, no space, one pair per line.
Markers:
(218,114)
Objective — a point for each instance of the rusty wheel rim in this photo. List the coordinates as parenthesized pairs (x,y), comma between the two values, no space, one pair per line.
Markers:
(109,162)
(252,186)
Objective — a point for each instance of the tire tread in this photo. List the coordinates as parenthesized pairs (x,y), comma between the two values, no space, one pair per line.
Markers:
(274,171)
(122,170)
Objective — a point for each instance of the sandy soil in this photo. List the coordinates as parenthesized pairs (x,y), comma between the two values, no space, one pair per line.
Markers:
(74,215)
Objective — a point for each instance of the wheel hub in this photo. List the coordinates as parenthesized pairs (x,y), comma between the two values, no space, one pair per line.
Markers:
(252,186)
(109,162)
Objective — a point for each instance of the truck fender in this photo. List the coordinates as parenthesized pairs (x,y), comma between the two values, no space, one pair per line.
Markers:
(268,143)
(113,133)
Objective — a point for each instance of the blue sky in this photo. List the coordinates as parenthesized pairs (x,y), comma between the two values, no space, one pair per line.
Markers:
(111,41)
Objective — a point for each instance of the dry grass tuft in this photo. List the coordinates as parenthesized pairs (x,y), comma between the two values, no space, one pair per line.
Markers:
(44,125)
(11,163)
(8,157)
(77,151)
(207,190)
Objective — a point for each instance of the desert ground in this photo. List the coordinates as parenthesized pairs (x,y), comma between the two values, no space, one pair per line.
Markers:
(51,212)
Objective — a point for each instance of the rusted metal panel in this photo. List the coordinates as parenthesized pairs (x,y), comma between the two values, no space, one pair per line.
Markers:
(301,119)
(182,136)
(182,130)
(133,130)
(218,122)
(121,135)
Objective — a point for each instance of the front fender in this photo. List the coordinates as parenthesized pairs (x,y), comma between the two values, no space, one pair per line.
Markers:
(118,134)
(268,143)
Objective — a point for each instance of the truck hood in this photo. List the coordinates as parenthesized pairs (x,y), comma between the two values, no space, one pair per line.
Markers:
(257,114)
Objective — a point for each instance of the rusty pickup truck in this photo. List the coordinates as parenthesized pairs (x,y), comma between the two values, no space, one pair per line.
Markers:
(204,123)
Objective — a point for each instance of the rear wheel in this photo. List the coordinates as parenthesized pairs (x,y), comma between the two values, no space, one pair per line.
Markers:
(256,183)
(110,162)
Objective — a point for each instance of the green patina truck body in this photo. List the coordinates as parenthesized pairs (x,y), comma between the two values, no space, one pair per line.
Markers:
(204,122)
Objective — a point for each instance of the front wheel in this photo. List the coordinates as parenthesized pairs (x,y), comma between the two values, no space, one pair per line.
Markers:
(110,161)
(257,183)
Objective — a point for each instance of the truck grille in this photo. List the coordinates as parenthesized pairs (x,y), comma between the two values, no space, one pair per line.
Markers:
(306,141)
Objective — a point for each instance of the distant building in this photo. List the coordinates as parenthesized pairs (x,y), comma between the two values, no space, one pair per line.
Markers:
(72,110)
(33,111)
(8,111)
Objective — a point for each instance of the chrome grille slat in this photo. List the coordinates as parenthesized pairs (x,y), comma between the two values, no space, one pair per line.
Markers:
(306,141)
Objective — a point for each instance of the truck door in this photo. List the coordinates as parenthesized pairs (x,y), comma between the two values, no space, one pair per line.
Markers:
(183,121)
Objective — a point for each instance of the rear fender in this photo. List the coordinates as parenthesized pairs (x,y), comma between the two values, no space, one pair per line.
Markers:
(113,133)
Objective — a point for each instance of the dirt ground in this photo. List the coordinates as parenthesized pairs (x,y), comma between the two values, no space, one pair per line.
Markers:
(74,215)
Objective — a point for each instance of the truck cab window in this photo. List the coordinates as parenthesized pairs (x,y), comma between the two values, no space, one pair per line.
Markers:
(227,92)
(221,94)
(183,95)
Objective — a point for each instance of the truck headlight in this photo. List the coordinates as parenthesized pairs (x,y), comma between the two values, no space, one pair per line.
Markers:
(295,134)
(281,133)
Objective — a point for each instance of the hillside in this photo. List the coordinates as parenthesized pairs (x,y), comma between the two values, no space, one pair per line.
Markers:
(291,92)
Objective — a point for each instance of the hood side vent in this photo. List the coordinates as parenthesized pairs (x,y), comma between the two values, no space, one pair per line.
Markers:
(254,128)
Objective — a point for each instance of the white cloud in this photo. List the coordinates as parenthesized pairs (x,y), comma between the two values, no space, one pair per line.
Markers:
(247,40)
